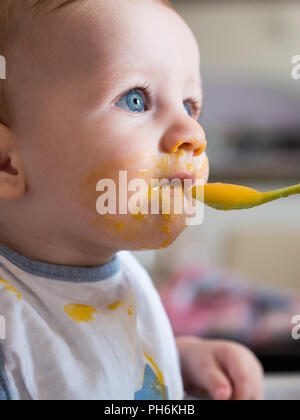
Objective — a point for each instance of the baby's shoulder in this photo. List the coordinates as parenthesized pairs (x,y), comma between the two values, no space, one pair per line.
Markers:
(140,278)
(132,267)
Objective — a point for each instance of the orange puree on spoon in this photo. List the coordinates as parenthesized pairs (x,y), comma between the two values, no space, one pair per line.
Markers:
(235,197)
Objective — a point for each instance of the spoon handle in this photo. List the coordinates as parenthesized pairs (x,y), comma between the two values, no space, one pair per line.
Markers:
(281,193)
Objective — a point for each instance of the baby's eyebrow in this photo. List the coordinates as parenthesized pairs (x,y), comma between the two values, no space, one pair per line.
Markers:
(131,70)
(144,71)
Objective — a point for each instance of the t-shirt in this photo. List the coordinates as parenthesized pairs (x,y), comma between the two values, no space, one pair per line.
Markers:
(83,333)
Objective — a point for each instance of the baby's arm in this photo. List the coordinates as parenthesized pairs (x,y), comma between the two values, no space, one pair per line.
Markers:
(221,369)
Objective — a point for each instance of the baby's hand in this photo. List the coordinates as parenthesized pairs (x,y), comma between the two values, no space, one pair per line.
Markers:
(221,369)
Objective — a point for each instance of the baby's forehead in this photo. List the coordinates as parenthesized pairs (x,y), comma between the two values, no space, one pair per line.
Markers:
(136,33)
(102,43)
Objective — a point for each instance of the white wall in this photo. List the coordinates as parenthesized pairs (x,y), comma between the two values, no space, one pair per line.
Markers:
(256,39)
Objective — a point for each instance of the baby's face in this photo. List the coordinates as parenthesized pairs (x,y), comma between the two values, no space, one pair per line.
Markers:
(117,92)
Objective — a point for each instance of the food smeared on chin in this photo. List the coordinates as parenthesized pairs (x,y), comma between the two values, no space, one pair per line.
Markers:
(136,230)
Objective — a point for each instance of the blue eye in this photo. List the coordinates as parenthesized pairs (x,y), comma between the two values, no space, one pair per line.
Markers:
(133,100)
(188,110)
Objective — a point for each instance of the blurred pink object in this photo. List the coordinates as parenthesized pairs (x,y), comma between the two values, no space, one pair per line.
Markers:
(207,301)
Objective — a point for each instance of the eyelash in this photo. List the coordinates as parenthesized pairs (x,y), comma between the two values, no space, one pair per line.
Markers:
(146,89)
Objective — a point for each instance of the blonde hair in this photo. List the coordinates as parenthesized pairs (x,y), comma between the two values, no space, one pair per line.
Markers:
(13,15)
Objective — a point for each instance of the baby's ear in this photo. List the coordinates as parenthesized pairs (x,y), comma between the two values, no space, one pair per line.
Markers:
(12,176)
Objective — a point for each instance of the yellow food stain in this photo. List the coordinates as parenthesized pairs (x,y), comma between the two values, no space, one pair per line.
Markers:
(165,244)
(176,147)
(190,167)
(170,220)
(130,311)
(115,305)
(201,149)
(80,313)
(180,153)
(158,374)
(120,226)
(164,162)
(139,216)
(148,166)
(94,222)
(143,171)
(194,142)
(166,229)
(10,288)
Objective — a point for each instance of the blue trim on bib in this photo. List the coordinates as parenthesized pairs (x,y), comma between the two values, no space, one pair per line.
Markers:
(5,394)
(62,272)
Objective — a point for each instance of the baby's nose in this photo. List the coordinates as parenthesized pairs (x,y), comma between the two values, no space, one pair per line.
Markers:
(196,146)
(191,140)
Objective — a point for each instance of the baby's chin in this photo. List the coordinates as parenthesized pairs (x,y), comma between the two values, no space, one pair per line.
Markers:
(141,232)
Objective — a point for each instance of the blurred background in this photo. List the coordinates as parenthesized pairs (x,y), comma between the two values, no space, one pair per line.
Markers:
(238,274)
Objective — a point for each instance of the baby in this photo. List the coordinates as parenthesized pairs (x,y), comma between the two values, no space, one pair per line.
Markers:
(95,89)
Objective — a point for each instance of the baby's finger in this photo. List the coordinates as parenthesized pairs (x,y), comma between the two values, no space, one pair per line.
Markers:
(248,383)
(245,373)
(215,382)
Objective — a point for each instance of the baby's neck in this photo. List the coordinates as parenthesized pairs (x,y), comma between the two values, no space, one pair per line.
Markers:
(51,253)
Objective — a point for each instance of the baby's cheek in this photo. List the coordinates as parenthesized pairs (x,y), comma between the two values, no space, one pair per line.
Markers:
(113,176)
(202,168)
(129,230)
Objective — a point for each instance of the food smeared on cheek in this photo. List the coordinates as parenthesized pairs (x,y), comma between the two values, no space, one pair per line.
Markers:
(203,169)
(140,216)
(190,167)
(120,226)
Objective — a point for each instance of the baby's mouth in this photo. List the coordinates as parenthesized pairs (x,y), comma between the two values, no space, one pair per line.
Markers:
(181,177)
(179,183)
(182,181)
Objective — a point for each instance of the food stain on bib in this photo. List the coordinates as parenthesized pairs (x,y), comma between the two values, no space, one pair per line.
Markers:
(115,305)
(10,288)
(80,313)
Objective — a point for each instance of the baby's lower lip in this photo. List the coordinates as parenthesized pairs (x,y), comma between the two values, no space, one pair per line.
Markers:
(182,176)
